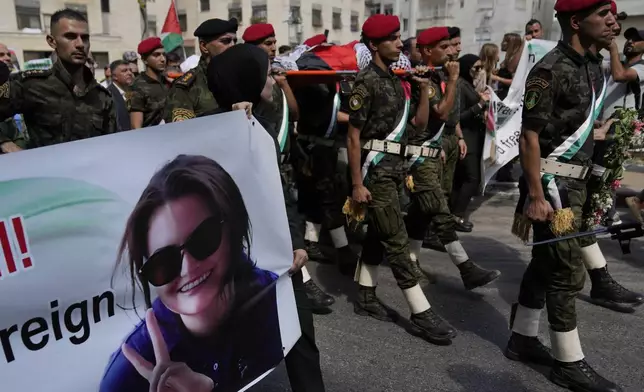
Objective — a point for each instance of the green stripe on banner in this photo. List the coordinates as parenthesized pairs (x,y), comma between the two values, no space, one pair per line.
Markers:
(171,41)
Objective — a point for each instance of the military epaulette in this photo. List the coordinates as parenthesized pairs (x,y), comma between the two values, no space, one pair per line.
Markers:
(186,80)
(35,73)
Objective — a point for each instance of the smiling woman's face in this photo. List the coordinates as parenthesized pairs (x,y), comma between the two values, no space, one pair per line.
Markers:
(199,283)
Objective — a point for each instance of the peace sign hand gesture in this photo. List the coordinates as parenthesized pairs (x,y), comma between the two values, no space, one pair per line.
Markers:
(165,376)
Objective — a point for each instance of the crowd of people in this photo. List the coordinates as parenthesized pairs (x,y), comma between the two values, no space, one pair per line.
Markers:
(418,137)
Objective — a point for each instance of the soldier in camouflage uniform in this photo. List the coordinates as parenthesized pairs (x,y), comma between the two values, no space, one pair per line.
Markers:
(560,101)
(279,115)
(146,100)
(64,103)
(379,109)
(605,290)
(189,96)
(428,202)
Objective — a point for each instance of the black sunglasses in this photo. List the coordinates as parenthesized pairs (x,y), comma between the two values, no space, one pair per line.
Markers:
(164,265)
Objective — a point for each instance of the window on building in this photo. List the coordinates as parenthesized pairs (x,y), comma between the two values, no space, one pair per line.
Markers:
(46,22)
(462,3)
(295,15)
(183,21)
(260,14)
(355,22)
(205,5)
(235,12)
(374,9)
(28,17)
(389,9)
(520,4)
(337,20)
(152,26)
(101,59)
(105,5)
(316,16)
(29,55)
(80,8)
(405,24)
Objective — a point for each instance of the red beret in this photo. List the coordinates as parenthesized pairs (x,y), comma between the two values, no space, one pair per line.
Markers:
(432,35)
(613,7)
(258,32)
(577,5)
(149,45)
(380,26)
(315,40)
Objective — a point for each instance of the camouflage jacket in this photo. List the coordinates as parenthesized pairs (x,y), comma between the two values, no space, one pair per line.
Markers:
(377,103)
(54,109)
(147,96)
(558,98)
(436,94)
(189,96)
(9,132)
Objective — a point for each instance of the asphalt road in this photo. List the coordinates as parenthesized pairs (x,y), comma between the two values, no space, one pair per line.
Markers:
(363,354)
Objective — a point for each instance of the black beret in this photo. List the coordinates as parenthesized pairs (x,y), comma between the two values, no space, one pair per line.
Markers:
(454,32)
(216,27)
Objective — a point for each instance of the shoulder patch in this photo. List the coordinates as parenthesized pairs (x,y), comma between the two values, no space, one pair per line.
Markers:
(537,83)
(4,90)
(432,92)
(355,102)
(186,80)
(532,98)
(36,73)
(181,114)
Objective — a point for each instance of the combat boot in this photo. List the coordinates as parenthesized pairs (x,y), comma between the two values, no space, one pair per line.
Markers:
(319,299)
(432,242)
(608,293)
(315,252)
(433,328)
(368,304)
(474,276)
(580,377)
(347,261)
(528,349)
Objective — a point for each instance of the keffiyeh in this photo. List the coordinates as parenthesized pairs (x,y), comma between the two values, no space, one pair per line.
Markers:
(364,58)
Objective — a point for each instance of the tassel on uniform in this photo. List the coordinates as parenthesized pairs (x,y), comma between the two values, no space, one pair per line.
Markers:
(355,212)
(409,182)
(521,227)
(563,222)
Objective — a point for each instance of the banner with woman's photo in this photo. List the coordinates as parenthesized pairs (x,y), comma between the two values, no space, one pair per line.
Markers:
(156,257)
(504,116)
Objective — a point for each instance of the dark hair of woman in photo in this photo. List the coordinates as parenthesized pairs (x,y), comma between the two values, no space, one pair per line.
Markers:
(473,108)
(216,312)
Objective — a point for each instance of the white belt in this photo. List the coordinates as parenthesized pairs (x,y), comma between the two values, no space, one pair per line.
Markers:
(560,169)
(422,151)
(383,146)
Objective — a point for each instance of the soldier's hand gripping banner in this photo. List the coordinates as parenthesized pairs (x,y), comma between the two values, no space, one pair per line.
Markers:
(145,260)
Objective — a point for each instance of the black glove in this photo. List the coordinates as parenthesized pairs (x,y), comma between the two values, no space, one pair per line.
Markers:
(4,73)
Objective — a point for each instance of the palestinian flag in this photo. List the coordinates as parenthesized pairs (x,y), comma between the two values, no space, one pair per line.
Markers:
(328,58)
(171,32)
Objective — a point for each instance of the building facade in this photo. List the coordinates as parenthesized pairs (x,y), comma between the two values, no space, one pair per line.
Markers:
(294,20)
(114,27)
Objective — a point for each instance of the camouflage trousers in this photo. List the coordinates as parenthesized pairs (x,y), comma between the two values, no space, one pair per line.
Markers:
(320,198)
(556,273)
(386,235)
(429,204)
(450,146)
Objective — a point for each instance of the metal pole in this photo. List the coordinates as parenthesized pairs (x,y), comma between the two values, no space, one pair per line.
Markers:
(413,15)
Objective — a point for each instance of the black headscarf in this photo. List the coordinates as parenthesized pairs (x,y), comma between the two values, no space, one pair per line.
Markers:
(238,75)
(466,63)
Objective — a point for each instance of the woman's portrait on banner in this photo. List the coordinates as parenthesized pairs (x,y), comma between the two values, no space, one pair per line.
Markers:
(214,324)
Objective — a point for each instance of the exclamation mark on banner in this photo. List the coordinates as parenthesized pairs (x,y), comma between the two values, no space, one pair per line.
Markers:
(7,252)
(21,237)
